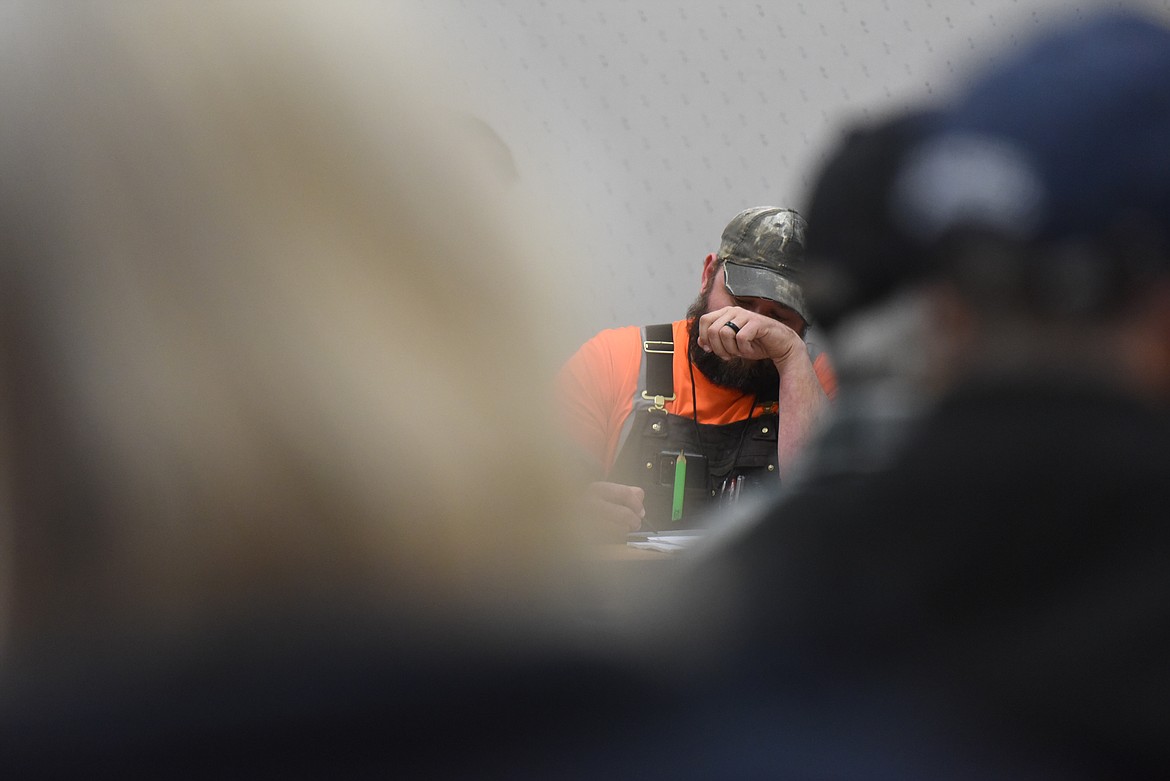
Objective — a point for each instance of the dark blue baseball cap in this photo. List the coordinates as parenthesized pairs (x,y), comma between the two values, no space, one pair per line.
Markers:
(1068,138)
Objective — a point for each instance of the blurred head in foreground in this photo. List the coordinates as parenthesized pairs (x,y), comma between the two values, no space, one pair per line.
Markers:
(1022,225)
(1042,196)
(268,332)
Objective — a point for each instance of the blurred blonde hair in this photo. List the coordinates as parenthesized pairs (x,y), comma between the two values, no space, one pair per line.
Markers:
(266,324)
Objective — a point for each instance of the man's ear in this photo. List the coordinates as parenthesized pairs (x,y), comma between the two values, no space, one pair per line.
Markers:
(1146,340)
(710,268)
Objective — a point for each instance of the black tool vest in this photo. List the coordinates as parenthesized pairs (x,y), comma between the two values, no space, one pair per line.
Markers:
(715,455)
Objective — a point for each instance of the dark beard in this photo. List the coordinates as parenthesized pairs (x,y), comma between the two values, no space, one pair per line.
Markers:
(758,378)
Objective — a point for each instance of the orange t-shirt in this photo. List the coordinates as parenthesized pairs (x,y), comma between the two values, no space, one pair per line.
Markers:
(599,382)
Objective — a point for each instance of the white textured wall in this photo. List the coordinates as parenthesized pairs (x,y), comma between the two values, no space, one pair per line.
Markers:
(652,123)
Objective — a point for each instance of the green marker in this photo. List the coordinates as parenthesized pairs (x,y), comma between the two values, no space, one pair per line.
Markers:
(680,481)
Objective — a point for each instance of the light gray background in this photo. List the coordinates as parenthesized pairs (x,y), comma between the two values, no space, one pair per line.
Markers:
(650,124)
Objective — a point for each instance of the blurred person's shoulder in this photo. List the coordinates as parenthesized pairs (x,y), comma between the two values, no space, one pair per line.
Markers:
(329,693)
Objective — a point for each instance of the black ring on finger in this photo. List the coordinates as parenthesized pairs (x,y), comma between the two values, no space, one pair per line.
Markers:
(731,324)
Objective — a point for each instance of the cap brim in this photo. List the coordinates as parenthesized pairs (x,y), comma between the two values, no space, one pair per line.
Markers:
(756,282)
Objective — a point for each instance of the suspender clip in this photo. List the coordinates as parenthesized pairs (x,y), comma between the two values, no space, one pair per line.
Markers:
(658,347)
(659,401)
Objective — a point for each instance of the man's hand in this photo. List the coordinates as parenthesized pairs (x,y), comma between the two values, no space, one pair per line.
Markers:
(613,509)
(758,337)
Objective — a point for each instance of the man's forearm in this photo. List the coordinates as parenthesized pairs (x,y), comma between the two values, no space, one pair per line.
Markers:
(802,405)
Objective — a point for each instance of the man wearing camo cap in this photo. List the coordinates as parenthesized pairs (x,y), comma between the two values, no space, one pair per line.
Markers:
(733,388)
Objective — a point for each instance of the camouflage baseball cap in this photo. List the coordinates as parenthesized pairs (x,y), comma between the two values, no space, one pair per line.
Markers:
(763,253)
